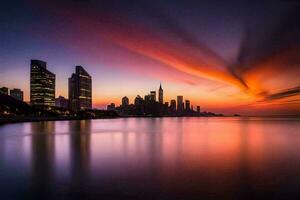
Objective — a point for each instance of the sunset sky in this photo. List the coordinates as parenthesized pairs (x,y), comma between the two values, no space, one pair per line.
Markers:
(226,57)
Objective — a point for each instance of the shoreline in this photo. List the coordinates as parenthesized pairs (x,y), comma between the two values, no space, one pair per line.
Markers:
(42,119)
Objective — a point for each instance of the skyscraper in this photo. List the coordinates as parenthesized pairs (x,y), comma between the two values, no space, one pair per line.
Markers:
(147,98)
(125,101)
(173,106)
(187,105)
(153,95)
(138,100)
(198,109)
(179,103)
(80,90)
(42,85)
(17,94)
(160,94)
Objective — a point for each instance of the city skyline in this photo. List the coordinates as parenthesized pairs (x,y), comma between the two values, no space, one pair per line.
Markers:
(225,64)
(43,96)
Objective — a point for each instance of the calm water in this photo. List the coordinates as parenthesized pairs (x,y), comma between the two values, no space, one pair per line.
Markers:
(145,158)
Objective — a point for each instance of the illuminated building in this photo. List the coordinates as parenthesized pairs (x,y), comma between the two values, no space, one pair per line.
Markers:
(80,90)
(42,85)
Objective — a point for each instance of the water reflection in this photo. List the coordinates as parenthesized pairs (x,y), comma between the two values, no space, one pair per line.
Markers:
(155,158)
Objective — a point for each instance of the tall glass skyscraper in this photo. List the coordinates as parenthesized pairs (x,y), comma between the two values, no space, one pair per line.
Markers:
(42,85)
(80,90)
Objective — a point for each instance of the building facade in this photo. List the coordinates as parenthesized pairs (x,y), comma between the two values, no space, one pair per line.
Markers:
(160,95)
(180,103)
(80,90)
(61,102)
(125,101)
(17,94)
(138,100)
(152,95)
(173,106)
(42,85)
(111,107)
(147,98)
(187,105)
(198,109)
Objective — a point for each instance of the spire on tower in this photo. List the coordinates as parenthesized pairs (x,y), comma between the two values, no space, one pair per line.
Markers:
(160,88)
(160,94)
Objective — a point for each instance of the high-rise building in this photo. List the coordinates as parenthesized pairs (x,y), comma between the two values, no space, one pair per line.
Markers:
(180,104)
(17,94)
(173,105)
(153,95)
(187,105)
(138,100)
(160,95)
(147,98)
(42,85)
(80,90)
(61,102)
(198,109)
(4,90)
(112,106)
(125,101)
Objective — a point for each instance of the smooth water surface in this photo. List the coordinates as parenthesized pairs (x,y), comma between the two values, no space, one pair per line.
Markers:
(151,158)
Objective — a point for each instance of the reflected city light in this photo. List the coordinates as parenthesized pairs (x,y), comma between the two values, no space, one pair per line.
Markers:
(195,156)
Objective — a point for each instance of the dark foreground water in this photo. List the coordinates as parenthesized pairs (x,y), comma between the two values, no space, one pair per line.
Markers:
(151,158)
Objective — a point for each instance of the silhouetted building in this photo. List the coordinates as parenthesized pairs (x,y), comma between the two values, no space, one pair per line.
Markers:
(160,95)
(198,109)
(152,95)
(42,85)
(4,90)
(80,90)
(147,98)
(61,102)
(180,104)
(138,100)
(125,101)
(187,105)
(173,106)
(17,94)
(112,106)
